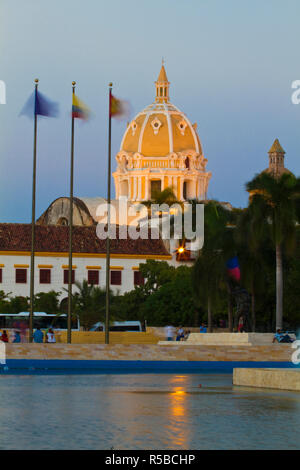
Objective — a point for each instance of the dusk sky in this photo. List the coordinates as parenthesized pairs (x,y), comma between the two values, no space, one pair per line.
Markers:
(230,63)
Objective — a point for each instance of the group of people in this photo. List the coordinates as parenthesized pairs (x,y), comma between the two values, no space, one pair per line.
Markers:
(180,334)
(38,336)
(15,337)
(281,337)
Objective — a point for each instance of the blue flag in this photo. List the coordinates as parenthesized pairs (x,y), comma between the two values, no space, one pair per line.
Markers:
(233,263)
(38,104)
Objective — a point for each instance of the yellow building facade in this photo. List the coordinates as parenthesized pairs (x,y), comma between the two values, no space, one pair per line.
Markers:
(161,148)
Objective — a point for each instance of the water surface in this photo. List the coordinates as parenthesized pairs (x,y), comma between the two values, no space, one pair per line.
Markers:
(144,411)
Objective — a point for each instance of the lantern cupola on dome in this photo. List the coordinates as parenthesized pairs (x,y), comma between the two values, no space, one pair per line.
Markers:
(162,86)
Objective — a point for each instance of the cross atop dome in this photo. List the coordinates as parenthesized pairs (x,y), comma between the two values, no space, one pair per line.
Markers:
(162,86)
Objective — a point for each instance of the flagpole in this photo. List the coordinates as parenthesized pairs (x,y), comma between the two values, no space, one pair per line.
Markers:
(69,336)
(33,218)
(108,224)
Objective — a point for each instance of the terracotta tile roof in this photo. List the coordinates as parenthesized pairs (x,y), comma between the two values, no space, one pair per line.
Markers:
(52,238)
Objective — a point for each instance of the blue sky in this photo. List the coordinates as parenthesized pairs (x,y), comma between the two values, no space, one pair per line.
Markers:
(230,64)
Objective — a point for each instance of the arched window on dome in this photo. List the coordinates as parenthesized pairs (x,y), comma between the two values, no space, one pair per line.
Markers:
(187,162)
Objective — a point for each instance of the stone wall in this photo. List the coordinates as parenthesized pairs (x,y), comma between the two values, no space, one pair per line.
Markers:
(153,352)
(281,379)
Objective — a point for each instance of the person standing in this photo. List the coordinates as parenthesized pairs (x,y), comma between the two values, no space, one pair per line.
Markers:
(4,337)
(23,328)
(38,336)
(169,332)
(241,325)
(51,336)
(17,338)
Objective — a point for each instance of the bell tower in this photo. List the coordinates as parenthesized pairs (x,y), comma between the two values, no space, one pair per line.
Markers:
(276,159)
(162,86)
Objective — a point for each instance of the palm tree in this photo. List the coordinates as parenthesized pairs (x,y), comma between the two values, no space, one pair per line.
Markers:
(166,196)
(89,303)
(207,277)
(209,273)
(274,209)
(253,265)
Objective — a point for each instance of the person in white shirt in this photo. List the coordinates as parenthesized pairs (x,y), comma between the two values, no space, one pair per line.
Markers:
(169,332)
(51,336)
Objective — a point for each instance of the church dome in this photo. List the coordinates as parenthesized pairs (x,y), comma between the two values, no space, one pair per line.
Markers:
(161,128)
(161,149)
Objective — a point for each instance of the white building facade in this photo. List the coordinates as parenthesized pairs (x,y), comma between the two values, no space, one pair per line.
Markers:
(89,259)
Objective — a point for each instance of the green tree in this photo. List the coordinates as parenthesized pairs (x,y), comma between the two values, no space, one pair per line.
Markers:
(129,305)
(274,210)
(254,259)
(47,302)
(291,290)
(209,274)
(172,302)
(89,304)
(4,302)
(164,214)
(165,297)
(166,196)
(155,273)
(19,304)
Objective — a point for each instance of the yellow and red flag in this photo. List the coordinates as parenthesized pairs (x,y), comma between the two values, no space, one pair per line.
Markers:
(118,108)
(79,109)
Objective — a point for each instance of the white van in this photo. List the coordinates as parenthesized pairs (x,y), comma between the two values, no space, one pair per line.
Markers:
(118,326)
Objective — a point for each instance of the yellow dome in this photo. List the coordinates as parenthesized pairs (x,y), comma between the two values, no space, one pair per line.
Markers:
(161,128)
(161,149)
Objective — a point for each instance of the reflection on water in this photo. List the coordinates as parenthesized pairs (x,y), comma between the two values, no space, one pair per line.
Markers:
(177,428)
(163,411)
